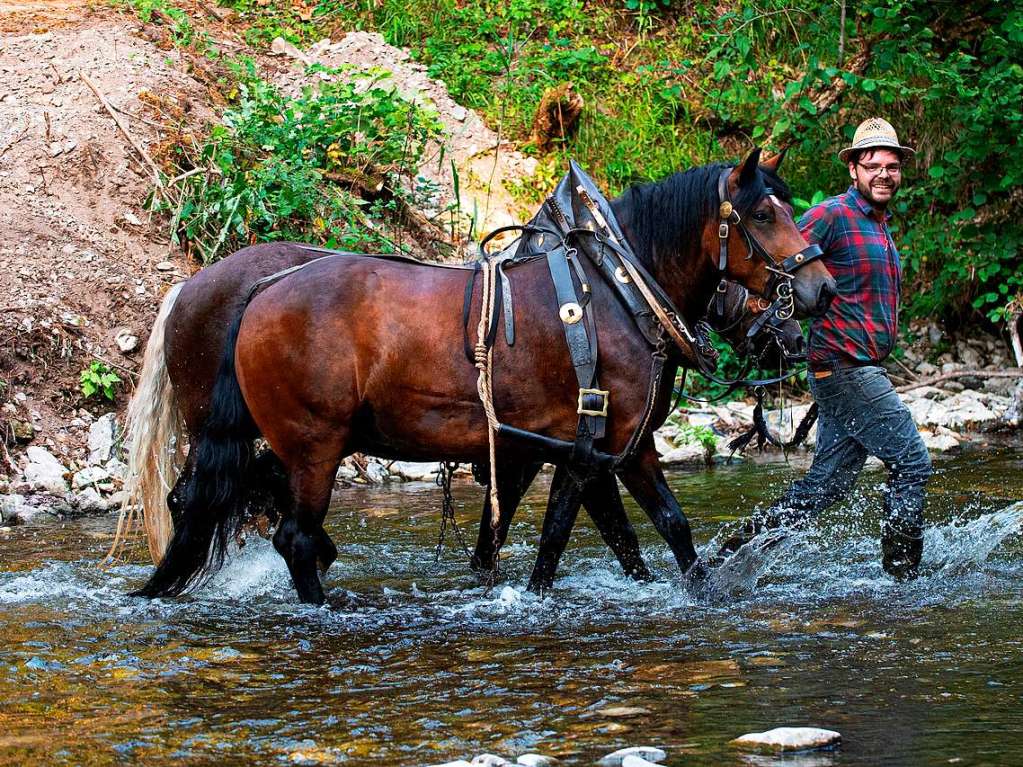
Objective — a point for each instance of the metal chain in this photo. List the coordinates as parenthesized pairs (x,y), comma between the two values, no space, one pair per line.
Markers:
(447,470)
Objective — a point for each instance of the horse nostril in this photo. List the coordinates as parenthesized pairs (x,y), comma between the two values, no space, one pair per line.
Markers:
(827,292)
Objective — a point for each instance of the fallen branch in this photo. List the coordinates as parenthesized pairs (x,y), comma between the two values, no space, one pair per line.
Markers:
(1008,373)
(117,120)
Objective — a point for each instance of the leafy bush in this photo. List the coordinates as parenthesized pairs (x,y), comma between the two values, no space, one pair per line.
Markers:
(99,379)
(280,168)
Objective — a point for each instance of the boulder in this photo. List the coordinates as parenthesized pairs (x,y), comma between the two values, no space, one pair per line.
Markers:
(103,439)
(965,409)
(89,477)
(118,470)
(636,761)
(694,454)
(89,501)
(43,471)
(789,739)
(939,443)
(535,760)
(648,753)
(415,472)
(9,507)
(489,760)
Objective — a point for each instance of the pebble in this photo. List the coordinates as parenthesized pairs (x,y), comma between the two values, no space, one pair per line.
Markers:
(648,753)
(164,266)
(489,760)
(789,739)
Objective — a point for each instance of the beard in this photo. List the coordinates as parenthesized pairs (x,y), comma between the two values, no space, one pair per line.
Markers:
(878,191)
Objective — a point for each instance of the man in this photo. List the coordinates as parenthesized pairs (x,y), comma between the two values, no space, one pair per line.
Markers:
(859,412)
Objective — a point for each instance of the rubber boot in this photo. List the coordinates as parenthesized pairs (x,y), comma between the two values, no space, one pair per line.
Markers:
(902,545)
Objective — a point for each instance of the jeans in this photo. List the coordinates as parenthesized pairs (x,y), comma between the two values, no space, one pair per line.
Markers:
(859,414)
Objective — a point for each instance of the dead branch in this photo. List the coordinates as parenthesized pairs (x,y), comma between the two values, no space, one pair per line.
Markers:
(1008,373)
(127,134)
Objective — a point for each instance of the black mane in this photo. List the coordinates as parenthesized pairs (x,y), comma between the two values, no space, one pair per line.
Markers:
(665,219)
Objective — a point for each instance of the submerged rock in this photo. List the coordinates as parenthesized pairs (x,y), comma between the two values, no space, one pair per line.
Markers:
(789,739)
(647,753)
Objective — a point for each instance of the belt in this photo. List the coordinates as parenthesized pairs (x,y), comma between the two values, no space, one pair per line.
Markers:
(833,365)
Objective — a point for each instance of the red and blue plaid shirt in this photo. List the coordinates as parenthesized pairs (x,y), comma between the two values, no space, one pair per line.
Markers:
(861,325)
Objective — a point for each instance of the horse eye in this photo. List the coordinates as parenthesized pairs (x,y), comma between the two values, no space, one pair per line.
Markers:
(761,217)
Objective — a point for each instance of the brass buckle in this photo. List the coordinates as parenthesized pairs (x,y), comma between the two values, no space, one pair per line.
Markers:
(584,411)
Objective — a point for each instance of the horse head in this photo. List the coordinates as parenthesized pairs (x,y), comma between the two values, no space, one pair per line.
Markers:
(758,243)
(718,221)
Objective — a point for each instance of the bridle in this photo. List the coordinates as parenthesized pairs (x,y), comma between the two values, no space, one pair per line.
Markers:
(780,284)
(769,320)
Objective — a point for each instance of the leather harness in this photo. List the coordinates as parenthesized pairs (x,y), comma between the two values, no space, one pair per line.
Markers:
(593,231)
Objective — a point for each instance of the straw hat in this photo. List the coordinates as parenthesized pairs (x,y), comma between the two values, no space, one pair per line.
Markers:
(875,133)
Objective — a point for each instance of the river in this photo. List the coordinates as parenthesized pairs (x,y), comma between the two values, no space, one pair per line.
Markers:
(412,662)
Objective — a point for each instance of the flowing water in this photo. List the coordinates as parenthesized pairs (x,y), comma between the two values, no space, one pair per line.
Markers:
(413,663)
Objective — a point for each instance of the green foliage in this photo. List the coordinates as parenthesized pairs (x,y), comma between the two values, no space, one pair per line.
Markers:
(690,434)
(668,85)
(182,31)
(99,379)
(273,162)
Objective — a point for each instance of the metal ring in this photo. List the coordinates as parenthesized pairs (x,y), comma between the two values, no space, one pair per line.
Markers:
(622,276)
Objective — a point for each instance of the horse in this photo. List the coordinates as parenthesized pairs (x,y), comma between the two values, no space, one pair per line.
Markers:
(399,390)
(739,319)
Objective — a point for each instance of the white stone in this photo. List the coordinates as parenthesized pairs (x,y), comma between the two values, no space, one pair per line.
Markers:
(89,476)
(103,439)
(967,410)
(89,500)
(117,469)
(925,368)
(164,266)
(686,454)
(649,753)
(131,218)
(415,472)
(9,506)
(43,471)
(636,761)
(376,472)
(939,443)
(535,760)
(789,739)
(489,760)
(456,763)
(126,340)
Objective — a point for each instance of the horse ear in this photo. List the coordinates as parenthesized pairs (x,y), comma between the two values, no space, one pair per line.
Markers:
(748,173)
(774,162)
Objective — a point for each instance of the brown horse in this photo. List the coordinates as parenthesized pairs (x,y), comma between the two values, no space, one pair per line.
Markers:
(734,318)
(363,354)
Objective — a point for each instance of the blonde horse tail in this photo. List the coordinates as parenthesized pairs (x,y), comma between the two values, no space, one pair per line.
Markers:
(154,439)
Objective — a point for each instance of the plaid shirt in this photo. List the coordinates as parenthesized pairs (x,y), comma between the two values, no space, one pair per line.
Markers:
(861,325)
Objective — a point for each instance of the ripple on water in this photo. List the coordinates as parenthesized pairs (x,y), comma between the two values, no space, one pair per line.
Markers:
(412,661)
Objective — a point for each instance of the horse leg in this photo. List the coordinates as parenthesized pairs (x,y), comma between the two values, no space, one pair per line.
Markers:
(562,509)
(513,479)
(300,537)
(271,478)
(645,480)
(603,503)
